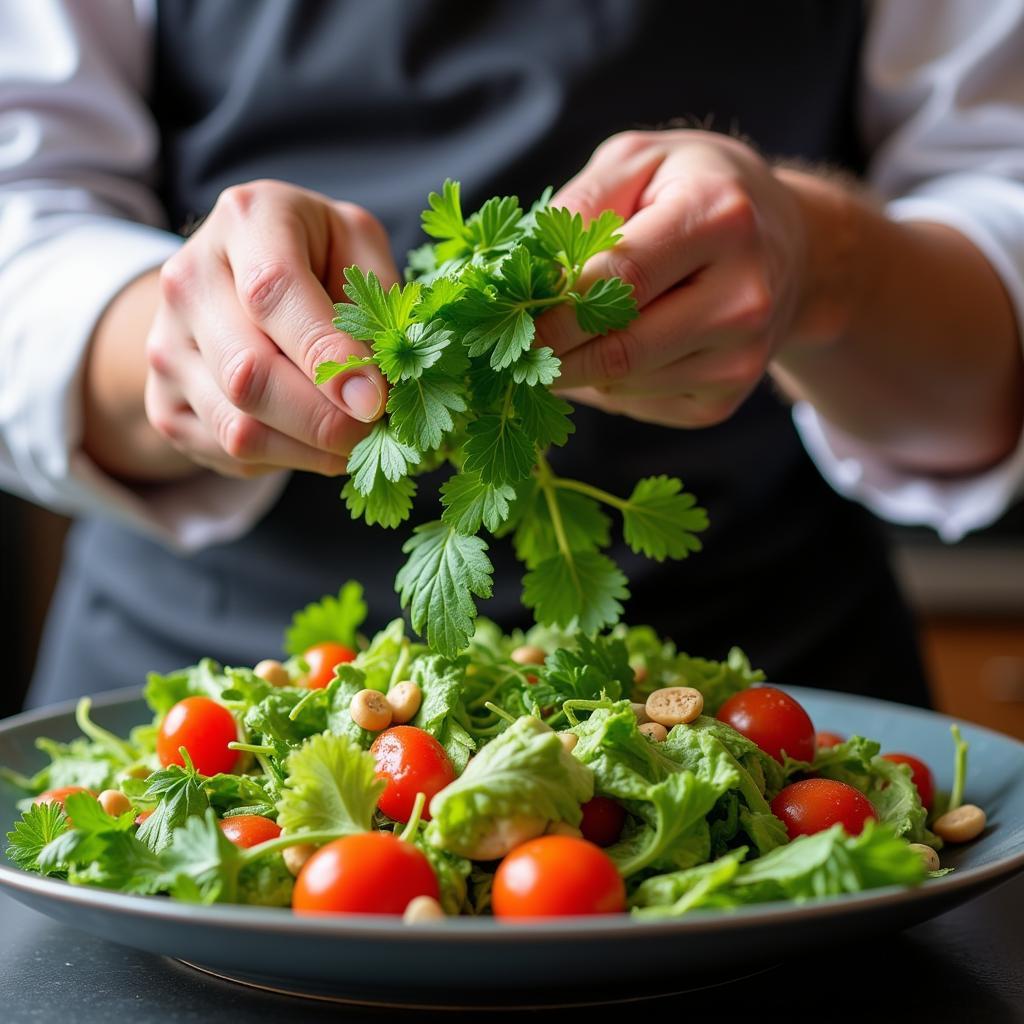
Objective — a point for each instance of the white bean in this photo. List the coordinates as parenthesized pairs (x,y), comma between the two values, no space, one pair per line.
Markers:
(405,700)
(569,740)
(370,710)
(273,672)
(967,822)
(114,802)
(654,731)
(295,857)
(423,908)
(640,710)
(529,654)
(928,855)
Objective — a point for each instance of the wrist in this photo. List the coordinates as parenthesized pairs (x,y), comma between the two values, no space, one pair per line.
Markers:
(833,218)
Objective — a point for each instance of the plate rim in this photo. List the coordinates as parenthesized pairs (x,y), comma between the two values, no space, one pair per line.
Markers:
(278,920)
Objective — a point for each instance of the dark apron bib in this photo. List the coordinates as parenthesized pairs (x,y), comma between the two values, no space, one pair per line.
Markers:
(378,103)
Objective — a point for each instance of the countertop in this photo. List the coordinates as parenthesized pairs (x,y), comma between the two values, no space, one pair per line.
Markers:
(966,966)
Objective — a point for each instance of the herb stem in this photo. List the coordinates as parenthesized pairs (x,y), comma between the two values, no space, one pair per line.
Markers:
(500,712)
(293,839)
(546,481)
(304,700)
(409,832)
(251,748)
(591,492)
(956,797)
(102,736)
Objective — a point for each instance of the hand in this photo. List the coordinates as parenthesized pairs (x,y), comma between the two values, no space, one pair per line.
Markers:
(714,245)
(243,319)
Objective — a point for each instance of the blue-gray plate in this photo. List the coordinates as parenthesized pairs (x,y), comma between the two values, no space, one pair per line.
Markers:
(465,962)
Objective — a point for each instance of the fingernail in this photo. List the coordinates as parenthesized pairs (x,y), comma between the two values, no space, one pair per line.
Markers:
(362,396)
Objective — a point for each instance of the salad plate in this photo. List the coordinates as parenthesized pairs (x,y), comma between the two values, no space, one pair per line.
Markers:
(480,961)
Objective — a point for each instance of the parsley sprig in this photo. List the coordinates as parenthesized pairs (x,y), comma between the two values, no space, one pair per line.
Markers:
(470,387)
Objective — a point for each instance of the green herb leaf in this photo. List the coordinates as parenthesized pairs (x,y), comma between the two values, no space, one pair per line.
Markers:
(537,366)
(331,785)
(329,370)
(380,454)
(608,305)
(388,504)
(581,586)
(37,827)
(499,450)
(660,522)
(404,355)
(444,571)
(469,503)
(421,409)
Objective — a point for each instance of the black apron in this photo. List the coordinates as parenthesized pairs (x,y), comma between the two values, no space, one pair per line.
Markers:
(378,102)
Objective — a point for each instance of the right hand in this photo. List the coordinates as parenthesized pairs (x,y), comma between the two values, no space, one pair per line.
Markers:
(244,317)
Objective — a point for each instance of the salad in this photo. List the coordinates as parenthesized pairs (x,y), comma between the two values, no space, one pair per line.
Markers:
(533,775)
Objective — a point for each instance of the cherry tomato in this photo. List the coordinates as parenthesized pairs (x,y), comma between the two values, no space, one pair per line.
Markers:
(772,720)
(817,804)
(58,796)
(368,873)
(410,761)
(249,829)
(602,820)
(204,728)
(557,876)
(825,739)
(142,816)
(321,659)
(920,773)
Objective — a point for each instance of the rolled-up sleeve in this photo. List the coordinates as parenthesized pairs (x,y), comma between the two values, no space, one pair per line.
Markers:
(79,220)
(943,116)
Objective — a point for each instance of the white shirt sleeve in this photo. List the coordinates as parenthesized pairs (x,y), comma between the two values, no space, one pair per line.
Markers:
(943,115)
(78,222)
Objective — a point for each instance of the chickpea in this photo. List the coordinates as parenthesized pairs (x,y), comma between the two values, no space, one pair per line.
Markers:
(405,700)
(370,710)
(962,825)
(529,654)
(928,855)
(504,835)
(640,710)
(654,731)
(674,705)
(114,802)
(569,740)
(563,828)
(423,908)
(273,672)
(295,857)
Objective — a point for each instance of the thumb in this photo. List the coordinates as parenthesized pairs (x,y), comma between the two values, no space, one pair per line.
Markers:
(613,179)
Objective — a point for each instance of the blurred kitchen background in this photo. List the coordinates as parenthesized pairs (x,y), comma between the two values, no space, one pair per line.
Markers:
(969,600)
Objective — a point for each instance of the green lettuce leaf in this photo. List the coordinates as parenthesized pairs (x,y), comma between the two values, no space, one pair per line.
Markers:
(524,771)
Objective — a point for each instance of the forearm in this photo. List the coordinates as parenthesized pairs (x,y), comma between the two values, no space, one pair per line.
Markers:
(116,433)
(906,339)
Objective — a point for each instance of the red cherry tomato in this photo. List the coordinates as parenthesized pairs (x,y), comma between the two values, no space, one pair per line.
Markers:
(321,659)
(602,820)
(58,796)
(410,761)
(204,728)
(825,739)
(920,773)
(772,720)
(142,816)
(247,830)
(817,804)
(557,876)
(368,873)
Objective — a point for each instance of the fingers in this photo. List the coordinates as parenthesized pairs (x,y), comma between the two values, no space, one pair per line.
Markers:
(268,246)
(257,378)
(233,442)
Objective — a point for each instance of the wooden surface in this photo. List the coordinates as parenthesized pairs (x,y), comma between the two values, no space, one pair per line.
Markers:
(976,669)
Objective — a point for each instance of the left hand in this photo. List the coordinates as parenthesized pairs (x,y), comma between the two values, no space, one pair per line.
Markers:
(715,247)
